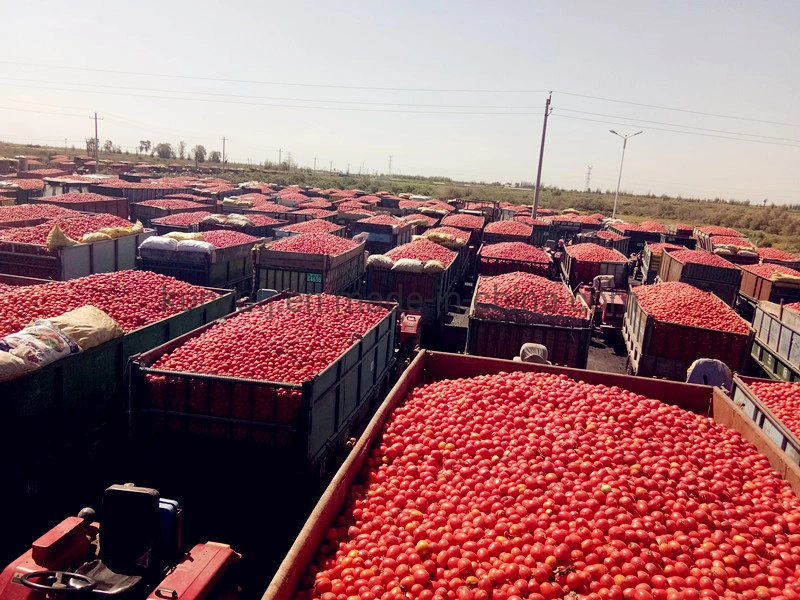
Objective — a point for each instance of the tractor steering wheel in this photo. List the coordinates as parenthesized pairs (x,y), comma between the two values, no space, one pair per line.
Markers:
(60,582)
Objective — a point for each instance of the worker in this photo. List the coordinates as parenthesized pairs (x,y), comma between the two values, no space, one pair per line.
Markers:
(707,371)
(533,353)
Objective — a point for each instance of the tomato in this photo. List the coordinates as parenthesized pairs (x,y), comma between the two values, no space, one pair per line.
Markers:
(183,219)
(312,226)
(172,204)
(468,222)
(767,270)
(317,213)
(516,228)
(73,227)
(224,238)
(132,298)
(533,485)
(718,230)
(529,220)
(384,220)
(675,302)
(775,254)
(527,292)
(424,250)
(314,243)
(515,251)
(288,341)
(29,212)
(783,399)
(594,253)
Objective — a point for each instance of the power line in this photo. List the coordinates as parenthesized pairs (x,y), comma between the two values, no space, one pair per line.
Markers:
(6,137)
(401,89)
(397,89)
(671,182)
(583,112)
(281,98)
(157,128)
(286,83)
(683,110)
(723,137)
(40,112)
(336,108)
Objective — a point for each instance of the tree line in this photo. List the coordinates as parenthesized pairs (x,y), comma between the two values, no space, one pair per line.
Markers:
(163,150)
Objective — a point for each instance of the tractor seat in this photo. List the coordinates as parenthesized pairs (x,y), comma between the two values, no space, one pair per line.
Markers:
(130,528)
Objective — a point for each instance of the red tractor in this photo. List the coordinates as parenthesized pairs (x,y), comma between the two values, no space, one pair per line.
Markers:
(608,304)
(133,553)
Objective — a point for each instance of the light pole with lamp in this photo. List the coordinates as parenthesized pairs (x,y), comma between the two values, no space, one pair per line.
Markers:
(619,179)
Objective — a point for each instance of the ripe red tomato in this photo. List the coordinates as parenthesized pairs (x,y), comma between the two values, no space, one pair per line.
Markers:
(132,298)
(532,485)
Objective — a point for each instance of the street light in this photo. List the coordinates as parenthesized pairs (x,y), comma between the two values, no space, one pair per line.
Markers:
(619,179)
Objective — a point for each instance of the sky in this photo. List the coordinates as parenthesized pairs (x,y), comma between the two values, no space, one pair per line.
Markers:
(452,89)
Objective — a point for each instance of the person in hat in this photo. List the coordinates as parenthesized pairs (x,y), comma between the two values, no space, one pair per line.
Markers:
(533,353)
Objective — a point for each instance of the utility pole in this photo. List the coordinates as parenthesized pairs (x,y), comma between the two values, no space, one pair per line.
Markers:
(223,150)
(279,159)
(588,177)
(315,165)
(621,160)
(288,161)
(96,143)
(391,156)
(65,143)
(541,158)
(331,167)
(348,168)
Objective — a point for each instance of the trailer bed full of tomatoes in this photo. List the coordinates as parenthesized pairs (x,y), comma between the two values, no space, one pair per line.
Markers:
(775,254)
(767,270)
(183,219)
(675,302)
(533,485)
(313,226)
(132,298)
(288,341)
(523,297)
(25,213)
(314,243)
(515,251)
(423,250)
(73,227)
(223,238)
(782,398)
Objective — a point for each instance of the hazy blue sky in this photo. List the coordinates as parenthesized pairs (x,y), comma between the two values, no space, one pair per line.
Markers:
(730,58)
